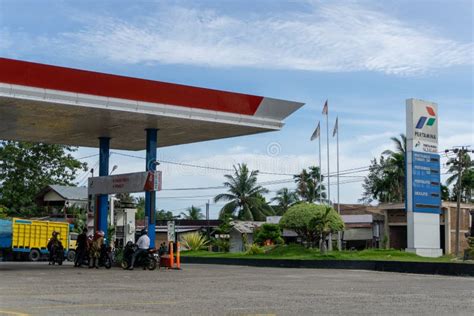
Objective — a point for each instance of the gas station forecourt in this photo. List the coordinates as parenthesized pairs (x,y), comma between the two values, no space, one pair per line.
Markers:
(58,105)
(35,288)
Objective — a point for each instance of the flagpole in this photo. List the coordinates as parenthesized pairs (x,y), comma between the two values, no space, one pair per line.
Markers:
(329,181)
(317,134)
(327,146)
(339,242)
(320,174)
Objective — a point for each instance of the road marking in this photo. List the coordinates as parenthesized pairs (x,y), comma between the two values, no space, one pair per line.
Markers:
(102,305)
(5,312)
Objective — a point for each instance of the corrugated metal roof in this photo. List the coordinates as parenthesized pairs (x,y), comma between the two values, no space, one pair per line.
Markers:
(246,227)
(70,193)
(349,219)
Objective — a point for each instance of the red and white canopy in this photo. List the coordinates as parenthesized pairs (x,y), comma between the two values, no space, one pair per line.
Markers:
(43,103)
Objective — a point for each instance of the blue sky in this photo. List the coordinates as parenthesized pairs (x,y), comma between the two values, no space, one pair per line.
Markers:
(366,57)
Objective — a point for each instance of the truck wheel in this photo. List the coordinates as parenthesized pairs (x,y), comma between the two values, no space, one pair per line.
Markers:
(34,255)
(71,255)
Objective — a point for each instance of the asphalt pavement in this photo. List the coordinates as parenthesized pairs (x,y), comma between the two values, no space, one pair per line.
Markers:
(39,289)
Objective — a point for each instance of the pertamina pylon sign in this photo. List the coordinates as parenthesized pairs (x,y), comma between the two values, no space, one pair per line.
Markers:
(423,190)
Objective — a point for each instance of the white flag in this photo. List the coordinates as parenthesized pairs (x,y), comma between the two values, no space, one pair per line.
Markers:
(316,132)
(336,127)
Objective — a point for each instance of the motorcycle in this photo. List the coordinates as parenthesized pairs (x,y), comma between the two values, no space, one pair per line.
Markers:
(105,259)
(57,254)
(147,260)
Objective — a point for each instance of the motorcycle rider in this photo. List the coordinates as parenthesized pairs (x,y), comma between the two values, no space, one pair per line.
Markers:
(143,244)
(81,248)
(52,246)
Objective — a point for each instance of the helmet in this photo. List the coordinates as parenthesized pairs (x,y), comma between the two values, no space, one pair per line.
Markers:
(55,233)
(143,232)
(100,233)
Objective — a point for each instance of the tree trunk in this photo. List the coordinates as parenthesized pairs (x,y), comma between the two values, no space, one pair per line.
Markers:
(323,248)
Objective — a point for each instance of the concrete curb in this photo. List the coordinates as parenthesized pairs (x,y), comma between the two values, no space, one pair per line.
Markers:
(456,269)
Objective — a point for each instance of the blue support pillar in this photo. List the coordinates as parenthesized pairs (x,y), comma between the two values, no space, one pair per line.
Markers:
(103,209)
(150,197)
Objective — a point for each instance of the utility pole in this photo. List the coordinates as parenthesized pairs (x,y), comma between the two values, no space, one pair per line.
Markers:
(207,219)
(459,163)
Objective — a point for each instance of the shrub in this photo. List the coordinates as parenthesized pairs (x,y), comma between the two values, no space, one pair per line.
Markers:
(254,249)
(118,255)
(194,241)
(269,232)
(312,222)
(222,244)
(385,242)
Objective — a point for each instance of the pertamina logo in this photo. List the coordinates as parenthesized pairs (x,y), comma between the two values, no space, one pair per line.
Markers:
(430,120)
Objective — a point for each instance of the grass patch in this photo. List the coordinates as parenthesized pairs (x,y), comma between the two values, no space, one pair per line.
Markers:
(298,252)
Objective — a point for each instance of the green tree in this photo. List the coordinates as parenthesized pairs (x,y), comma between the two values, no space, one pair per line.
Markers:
(141,208)
(223,244)
(159,215)
(124,199)
(395,168)
(80,219)
(3,212)
(308,186)
(193,213)
(26,168)
(444,193)
(246,201)
(466,165)
(385,181)
(284,198)
(327,222)
(312,222)
(163,215)
(225,226)
(270,232)
(377,183)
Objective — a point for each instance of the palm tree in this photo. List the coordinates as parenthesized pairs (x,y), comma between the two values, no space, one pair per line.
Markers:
(400,145)
(285,198)
(394,168)
(246,201)
(193,213)
(385,181)
(467,178)
(308,186)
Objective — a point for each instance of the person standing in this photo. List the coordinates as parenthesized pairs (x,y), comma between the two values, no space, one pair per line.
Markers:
(81,248)
(94,252)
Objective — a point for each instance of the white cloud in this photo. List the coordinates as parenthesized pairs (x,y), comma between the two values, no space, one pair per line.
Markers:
(329,37)
(237,149)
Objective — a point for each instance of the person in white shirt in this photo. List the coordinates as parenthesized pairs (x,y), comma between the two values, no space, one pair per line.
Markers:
(143,244)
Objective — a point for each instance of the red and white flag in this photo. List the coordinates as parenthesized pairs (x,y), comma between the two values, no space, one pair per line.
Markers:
(325,108)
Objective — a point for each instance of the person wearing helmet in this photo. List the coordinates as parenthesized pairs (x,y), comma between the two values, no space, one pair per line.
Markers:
(81,248)
(94,253)
(143,244)
(53,244)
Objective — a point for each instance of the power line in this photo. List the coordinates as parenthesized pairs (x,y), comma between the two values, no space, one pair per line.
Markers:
(85,176)
(357,169)
(85,157)
(198,197)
